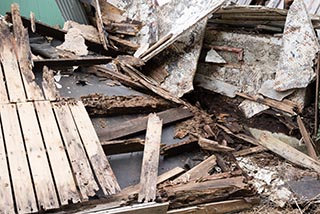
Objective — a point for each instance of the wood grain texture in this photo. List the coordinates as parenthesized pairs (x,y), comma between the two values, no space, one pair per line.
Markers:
(24,57)
(3,90)
(6,199)
(60,165)
(10,66)
(39,165)
(48,85)
(150,162)
(77,155)
(91,143)
(21,179)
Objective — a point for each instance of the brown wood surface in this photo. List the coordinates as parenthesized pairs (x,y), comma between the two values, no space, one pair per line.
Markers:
(40,168)
(150,162)
(3,90)
(80,164)
(91,143)
(140,124)
(122,146)
(60,165)
(33,91)
(48,85)
(20,175)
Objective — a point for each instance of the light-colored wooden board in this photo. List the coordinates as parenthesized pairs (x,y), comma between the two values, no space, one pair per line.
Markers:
(21,179)
(11,69)
(60,165)
(307,139)
(39,165)
(91,143)
(200,170)
(33,91)
(3,90)
(77,155)
(48,85)
(6,200)
(150,162)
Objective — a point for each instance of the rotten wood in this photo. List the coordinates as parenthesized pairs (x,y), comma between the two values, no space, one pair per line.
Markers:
(140,124)
(98,104)
(307,139)
(287,107)
(181,147)
(200,170)
(150,162)
(48,85)
(316,106)
(212,145)
(99,23)
(33,91)
(122,146)
(221,207)
(3,91)
(249,151)
(124,43)
(204,192)
(291,154)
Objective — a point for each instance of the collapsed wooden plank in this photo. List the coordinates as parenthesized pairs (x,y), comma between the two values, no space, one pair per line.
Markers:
(307,139)
(288,152)
(19,170)
(122,146)
(48,85)
(10,66)
(81,167)
(33,91)
(61,169)
(200,170)
(150,162)
(91,143)
(6,199)
(140,124)
(3,90)
(39,166)
(211,145)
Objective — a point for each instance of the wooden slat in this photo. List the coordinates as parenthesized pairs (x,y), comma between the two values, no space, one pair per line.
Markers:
(77,155)
(6,200)
(91,143)
(140,124)
(18,163)
(150,162)
(48,85)
(60,165)
(3,90)
(33,91)
(40,169)
(11,69)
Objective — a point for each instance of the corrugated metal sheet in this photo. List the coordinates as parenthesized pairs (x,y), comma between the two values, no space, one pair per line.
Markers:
(72,10)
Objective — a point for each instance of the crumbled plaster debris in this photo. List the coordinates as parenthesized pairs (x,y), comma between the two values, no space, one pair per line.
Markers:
(75,43)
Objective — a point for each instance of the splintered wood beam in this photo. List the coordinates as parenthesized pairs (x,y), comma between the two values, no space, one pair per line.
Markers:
(307,139)
(122,146)
(150,162)
(200,170)
(69,62)
(24,58)
(135,126)
(249,151)
(287,152)
(214,146)
(48,85)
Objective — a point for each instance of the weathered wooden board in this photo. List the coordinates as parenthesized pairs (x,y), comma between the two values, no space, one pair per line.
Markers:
(24,57)
(40,169)
(48,85)
(21,179)
(91,143)
(6,200)
(10,66)
(140,124)
(60,165)
(77,155)
(150,162)
(3,90)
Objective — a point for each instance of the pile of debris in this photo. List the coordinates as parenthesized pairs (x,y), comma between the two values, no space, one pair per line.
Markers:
(231,92)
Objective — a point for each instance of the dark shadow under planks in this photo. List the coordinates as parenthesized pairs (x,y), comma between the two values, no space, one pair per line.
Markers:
(63,176)
(140,124)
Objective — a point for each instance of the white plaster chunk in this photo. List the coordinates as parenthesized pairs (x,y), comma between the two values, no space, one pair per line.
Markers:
(267,90)
(251,108)
(214,57)
(74,42)
(300,46)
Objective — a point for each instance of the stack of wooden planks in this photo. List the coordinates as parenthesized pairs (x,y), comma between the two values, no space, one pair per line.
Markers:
(50,155)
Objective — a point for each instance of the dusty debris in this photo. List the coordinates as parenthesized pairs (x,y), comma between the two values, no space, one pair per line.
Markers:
(74,42)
